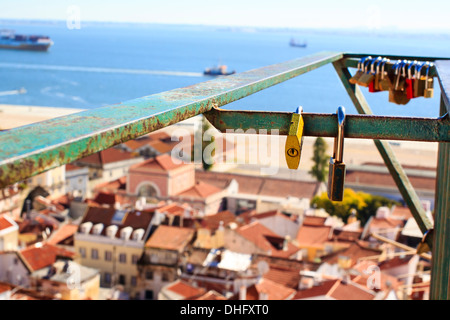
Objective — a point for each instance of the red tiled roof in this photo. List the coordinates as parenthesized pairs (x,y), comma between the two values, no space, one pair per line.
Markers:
(401,213)
(350,291)
(266,239)
(314,221)
(263,215)
(355,251)
(267,214)
(173,209)
(200,190)
(105,198)
(162,146)
(4,222)
(336,289)
(63,233)
(71,167)
(184,289)
(213,221)
(344,235)
(147,139)
(211,295)
(36,257)
(107,156)
(136,144)
(159,135)
(170,238)
(4,288)
(394,262)
(313,235)
(316,291)
(273,290)
(258,185)
(284,276)
(118,184)
(385,223)
(162,163)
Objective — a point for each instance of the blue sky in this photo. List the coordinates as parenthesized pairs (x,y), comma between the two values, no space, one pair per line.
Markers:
(430,15)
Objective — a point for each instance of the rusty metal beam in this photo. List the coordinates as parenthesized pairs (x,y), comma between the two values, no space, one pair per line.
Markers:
(443,71)
(440,265)
(325,125)
(398,174)
(30,150)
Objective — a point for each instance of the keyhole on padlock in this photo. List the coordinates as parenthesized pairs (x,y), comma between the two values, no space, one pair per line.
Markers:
(292,152)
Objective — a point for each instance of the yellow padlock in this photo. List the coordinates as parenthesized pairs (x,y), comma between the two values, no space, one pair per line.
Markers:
(294,141)
(424,246)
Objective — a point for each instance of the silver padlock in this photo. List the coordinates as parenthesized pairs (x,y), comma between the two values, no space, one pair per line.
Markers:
(336,170)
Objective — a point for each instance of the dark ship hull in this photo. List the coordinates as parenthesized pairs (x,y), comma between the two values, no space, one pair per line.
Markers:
(10,40)
(27,47)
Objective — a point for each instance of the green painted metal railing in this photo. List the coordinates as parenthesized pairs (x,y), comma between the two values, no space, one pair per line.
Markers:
(33,149)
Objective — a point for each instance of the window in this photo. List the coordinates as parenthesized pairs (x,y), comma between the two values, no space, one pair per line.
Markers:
(134,259)
(149,275)
(133,281)
(108,255)
(148,295)
(107,278)
(165,276)
(168,256)
(122,258)
(147,191)
(82,252)
(122,279)
(94,254)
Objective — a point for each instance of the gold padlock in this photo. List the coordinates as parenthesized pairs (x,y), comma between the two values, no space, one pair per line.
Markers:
(398,97)
(401,77)
(423,246)
(385,82)
(419,83)
(359,72)
(377,80)
(294,140)
(397,94)
(429,90)
(368,76)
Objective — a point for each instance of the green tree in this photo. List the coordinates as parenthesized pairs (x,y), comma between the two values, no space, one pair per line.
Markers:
(365,204)
(320,168)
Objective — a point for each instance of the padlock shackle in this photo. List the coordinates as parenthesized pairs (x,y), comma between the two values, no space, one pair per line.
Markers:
(339,140)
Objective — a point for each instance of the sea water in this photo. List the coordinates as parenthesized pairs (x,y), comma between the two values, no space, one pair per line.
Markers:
(99,65)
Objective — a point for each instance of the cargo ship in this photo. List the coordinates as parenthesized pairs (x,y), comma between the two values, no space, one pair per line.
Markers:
(295,43)
(220,70)
(10,40)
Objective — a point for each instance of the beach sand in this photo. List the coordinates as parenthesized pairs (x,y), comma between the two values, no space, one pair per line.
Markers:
(12,116)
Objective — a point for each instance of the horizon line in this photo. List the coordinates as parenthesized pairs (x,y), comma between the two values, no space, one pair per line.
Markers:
(365,30)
